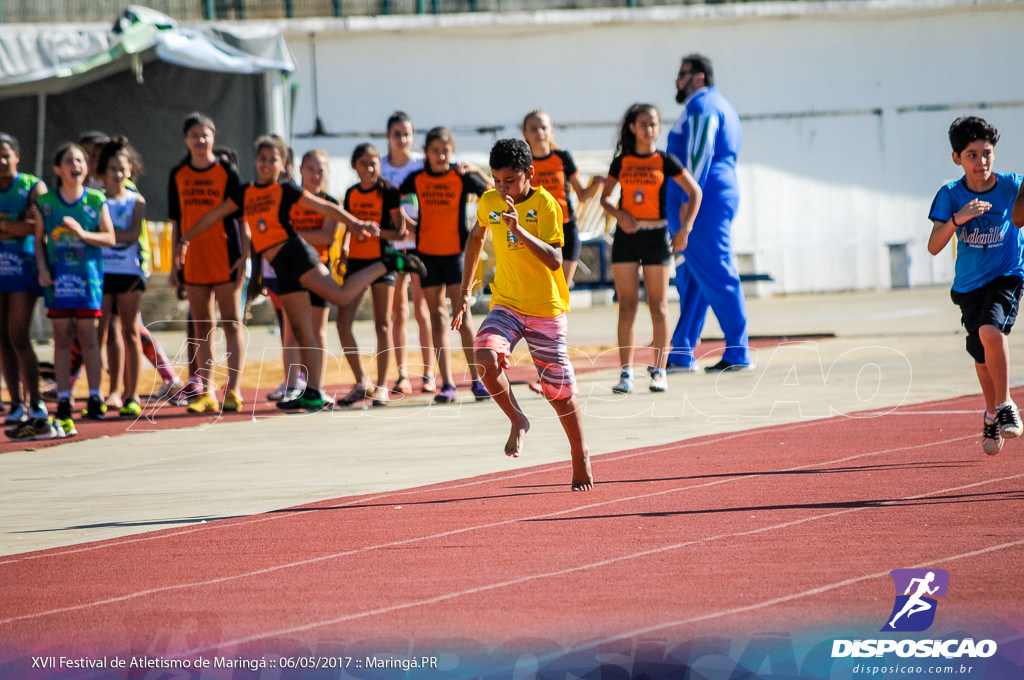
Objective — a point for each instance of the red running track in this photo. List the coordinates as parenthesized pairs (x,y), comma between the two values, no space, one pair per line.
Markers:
(778,528)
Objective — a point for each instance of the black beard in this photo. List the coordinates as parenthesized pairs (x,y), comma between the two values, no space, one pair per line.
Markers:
(680,96)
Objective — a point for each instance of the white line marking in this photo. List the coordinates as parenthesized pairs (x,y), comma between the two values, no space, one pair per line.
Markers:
(453,532)
(623,558)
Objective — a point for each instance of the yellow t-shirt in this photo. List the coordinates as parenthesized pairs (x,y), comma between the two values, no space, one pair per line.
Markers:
(521,281)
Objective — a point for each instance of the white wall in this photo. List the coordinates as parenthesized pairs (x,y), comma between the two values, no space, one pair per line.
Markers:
(840,158)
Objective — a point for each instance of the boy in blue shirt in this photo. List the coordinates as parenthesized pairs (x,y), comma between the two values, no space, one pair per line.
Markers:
(987,280)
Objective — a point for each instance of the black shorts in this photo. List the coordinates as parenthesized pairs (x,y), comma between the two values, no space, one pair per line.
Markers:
(293,260)
(442,270)
(994,304)
(573,246)
(645,246)
(118,284)
(355,265)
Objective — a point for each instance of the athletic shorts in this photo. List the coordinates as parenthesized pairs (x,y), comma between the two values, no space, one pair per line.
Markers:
(293,260)
(573,246)
(354,265)
(645,246)
(116,284)
(442,270)
(994,304)
(73,313)
(546,338)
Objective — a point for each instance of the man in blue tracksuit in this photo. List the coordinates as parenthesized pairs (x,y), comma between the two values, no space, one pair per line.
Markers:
(707,139)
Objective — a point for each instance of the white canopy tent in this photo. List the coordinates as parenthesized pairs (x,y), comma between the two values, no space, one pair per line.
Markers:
(141,78)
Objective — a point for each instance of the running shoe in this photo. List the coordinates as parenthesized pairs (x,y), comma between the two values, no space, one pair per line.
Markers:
(659,381)
(132,409)
(65,427)
(446,395)
(991,439)
(33,429)
(680,368)
(313,400)
(429,385)
(94,409)
(232,401)
(193,388)
(1008,418)
(380,396)
(16,415)
(64,423)
(283,391)
(204,404)
(479,391)
(397,261)
(169,388)
(402,386)
(625,384)
(356,394)
(38,411)
(724,366)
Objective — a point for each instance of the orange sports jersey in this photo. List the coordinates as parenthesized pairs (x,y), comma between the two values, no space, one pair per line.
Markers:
(191,194)
(553,172)
(442,198)
(643,180)
(266,210)
(374,205)
(304,219)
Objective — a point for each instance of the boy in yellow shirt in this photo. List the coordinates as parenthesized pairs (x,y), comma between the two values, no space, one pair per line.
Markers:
(529,298)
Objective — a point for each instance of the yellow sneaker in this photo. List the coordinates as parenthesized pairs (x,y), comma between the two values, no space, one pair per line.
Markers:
(233,401)
(204,404)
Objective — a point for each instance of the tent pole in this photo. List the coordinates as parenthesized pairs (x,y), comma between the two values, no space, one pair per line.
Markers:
(40,132)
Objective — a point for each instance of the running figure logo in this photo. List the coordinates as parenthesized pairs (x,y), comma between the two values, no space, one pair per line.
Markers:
(914,609)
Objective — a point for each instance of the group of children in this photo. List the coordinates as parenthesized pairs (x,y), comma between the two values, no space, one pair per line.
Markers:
(405,225)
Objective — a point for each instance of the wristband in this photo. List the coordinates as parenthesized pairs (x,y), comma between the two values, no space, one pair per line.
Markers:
(953,220)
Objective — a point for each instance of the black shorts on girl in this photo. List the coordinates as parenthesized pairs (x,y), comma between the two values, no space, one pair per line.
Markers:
(118,284)
(994,304)
(293,260)
(572,246)
(644,246)
(442,270)
(354,264)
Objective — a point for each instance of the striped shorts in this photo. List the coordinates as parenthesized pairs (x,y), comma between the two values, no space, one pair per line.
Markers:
(546,338)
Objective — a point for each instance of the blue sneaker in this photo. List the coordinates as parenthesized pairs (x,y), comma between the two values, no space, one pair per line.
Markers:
(479,391)
(446,395)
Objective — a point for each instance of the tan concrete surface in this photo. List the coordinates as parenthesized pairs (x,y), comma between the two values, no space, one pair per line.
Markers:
(888,348)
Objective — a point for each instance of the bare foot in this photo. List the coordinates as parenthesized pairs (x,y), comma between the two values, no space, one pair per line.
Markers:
(515,438)
(582,477)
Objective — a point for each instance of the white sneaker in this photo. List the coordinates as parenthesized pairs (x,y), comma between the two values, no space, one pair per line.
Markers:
(1008,418)
(625,384)
(380,396)
(991,440)
(659,381)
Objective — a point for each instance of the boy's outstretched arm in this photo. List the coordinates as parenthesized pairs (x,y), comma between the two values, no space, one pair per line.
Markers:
(1017,215)
(474,247)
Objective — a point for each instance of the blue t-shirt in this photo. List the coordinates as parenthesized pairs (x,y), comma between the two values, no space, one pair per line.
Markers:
(988,246)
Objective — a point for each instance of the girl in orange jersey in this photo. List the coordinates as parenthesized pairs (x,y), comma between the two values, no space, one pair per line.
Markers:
(213,265)
(376,200)
(266,210)
(441,235)
(641,239)
(555,170)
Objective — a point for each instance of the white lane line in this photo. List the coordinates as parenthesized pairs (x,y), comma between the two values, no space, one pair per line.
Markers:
(623,558)
(274,515)
(453,532)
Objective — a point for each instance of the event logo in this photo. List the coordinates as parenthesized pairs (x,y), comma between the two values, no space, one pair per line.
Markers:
(916,591)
